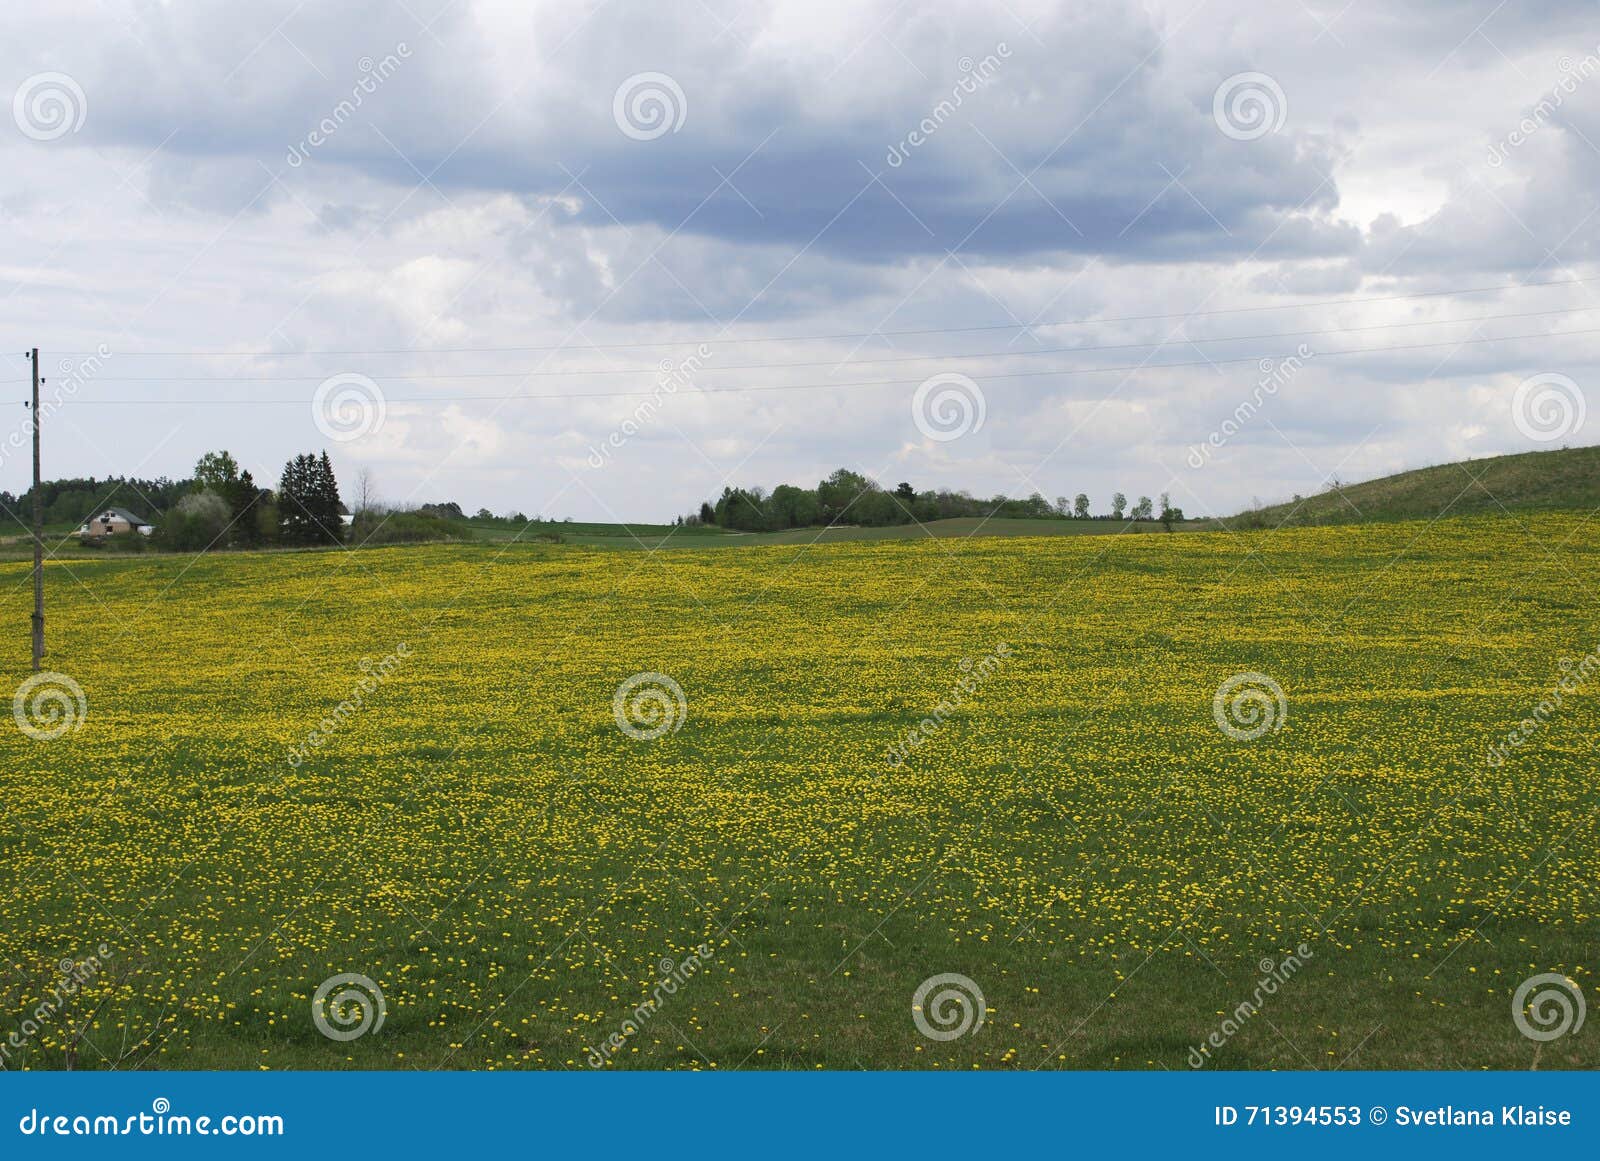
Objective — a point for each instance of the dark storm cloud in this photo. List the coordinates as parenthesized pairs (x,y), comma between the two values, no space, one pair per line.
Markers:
(1086,133)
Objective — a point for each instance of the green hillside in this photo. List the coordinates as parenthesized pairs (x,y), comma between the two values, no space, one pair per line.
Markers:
(1565,479)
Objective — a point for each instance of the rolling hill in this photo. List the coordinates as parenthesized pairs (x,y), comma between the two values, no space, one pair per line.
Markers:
(1568,478)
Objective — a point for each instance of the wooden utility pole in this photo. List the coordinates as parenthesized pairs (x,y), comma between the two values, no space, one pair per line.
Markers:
(38,529)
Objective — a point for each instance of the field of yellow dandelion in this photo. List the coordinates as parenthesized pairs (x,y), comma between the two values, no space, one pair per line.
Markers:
(960,804)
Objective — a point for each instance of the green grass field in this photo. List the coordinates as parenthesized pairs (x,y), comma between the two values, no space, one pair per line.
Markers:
(1567,479)
(666,536)
(1075,833)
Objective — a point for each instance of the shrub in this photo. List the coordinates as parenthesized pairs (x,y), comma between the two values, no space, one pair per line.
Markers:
(400,528)
(196,522)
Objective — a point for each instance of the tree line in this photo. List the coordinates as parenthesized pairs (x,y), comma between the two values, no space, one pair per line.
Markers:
(219,506)
(848,497)
(224,507)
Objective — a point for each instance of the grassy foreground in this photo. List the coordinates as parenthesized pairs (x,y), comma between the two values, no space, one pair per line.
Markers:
(1075,834)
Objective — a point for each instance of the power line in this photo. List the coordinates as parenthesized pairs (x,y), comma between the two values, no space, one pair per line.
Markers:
(1133,367)
(1012,326)
(1033,353)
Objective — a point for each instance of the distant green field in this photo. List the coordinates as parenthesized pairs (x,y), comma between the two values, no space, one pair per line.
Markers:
(652,536)
(1568,478)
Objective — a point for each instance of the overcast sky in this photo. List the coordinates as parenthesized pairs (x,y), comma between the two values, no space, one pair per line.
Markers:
(390,195)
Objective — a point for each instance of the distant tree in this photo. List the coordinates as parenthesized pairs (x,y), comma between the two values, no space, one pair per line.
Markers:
(329,506)
(905,493)
(308,502)
(1169,514)
(741,510)
(1119,505)
(1141,510)
(708,514)
(243,497)
(1080,506)
(483,514)
(791,507)
(838,495)
(1063,506)
(215,471)
(366,491)
(267,526)
(197,522)
(217,474)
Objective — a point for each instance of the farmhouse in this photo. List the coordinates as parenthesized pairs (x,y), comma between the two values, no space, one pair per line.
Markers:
(113,522)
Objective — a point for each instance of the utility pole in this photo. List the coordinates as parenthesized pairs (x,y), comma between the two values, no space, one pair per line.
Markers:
(38,529)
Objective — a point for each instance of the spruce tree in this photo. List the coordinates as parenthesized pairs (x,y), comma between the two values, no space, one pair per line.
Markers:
(297,502)
(331,527)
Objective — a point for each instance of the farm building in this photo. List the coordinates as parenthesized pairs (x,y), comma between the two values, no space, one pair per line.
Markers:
(113,522)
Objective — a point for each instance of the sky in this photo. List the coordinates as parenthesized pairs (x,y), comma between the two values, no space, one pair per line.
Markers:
(600,260)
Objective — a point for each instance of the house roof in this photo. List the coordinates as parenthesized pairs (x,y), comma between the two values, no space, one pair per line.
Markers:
(119,514)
